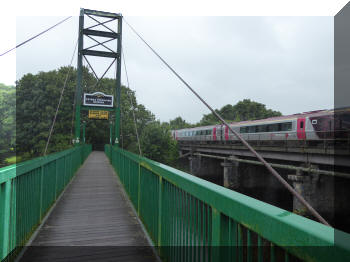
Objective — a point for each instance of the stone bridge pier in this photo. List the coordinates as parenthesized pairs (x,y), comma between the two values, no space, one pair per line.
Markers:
(206,168)
(231,174)
(317,190)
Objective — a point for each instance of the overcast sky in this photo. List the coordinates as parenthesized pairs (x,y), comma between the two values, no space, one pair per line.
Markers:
(283,62)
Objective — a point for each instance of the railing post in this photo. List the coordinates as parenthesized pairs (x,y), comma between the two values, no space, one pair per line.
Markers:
(139,192)
(215,234)
(41,189)
(160,213)
(13,214)
(7,213)
(56,161)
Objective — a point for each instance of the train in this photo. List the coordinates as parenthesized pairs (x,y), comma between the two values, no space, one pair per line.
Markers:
(313,125)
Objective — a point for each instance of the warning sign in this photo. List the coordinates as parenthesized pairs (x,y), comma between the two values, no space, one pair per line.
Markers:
(98,114)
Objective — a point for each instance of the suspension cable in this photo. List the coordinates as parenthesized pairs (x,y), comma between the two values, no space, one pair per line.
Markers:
(132,105)
(59,101)
(28,40)
(251,149)
(121,114)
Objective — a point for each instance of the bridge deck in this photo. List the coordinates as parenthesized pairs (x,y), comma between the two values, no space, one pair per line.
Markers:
(92,221)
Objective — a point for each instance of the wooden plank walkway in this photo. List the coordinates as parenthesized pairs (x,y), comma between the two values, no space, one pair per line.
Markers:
(92,221)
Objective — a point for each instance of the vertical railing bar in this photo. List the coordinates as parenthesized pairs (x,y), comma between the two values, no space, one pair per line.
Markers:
(198,229)
(215,233)
(56,176)
(183,234)
(260,250)
(138,189)
(286,256)
(229,240)
(13,213)
(190,228)
(240,242)
(165,218)
(170,219)
(177,215)
(249,246)
(7,211)
(210,229)
(186,226)
(205,246)
(41,190)
(272,252)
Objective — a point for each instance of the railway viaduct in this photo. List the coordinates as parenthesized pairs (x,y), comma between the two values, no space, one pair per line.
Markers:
(321,173)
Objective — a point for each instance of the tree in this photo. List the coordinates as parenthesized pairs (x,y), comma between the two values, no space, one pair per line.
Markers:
(242,111)
(178,123)
(250,110)
(157,143)
(37,97)
(7,122)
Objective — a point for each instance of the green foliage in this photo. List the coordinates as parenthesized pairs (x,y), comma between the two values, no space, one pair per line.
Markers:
(37,98)
(242,111)
(157,143)
(7,122)
(250,110)
(178,123)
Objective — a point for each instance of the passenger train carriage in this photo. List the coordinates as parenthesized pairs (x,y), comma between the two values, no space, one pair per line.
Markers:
(314,125)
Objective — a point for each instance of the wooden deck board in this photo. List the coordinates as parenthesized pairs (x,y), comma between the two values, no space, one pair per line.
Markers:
(92,221)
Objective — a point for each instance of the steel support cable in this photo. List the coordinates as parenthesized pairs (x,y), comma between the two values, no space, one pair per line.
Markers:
(60,100)
(132,105)
(121,113)
(28,40)
(73,111)
(251,149)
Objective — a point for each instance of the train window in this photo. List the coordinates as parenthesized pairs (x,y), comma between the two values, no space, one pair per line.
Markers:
(273,128)
(262,128)
(301,124)
(252,129)
(243,129)
(279,127)
(286,126)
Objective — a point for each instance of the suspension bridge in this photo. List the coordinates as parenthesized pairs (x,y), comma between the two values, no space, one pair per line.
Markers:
(80,205)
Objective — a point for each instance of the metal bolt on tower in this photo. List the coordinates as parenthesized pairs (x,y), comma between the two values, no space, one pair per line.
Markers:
(111,35)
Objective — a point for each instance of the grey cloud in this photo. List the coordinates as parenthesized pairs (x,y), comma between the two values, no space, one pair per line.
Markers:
(283,62)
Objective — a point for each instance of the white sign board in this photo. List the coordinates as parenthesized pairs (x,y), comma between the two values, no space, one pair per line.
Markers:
(98,99)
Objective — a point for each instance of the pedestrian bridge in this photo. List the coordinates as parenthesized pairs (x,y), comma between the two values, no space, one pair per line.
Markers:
(77,206)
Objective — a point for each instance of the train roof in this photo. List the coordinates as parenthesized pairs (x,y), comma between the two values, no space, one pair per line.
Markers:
(277,118)
(286,117)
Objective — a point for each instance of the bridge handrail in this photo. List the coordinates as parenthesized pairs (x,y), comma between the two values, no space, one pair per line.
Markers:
(28,190)
(173,194)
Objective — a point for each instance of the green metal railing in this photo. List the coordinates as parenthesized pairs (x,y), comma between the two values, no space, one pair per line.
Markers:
(190,219)
(28,190)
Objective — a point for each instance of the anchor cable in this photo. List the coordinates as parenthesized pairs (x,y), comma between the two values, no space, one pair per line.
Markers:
(28,40)
(251,149)
(60,100)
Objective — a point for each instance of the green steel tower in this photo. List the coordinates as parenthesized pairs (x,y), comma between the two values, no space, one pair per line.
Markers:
(109,35)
